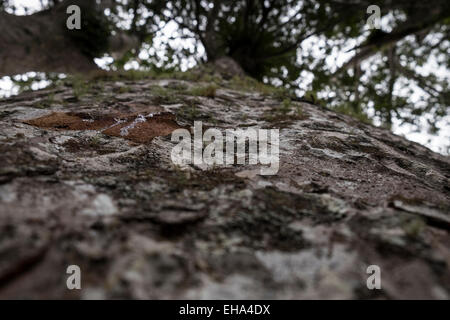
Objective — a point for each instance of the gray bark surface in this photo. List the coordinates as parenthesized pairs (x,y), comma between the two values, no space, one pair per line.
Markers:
(39,42)
(347,195)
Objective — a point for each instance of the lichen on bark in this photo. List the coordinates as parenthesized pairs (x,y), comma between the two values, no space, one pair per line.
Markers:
(347,195)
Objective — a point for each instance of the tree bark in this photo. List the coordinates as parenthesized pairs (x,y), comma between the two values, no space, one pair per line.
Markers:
(75,190)
(39,42)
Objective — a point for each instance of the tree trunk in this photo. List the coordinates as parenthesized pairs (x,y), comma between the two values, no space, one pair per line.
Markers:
(76,188)
(41,42)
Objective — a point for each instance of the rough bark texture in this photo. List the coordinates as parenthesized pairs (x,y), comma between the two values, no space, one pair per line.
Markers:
(42,42)
(37,43)
(348,195)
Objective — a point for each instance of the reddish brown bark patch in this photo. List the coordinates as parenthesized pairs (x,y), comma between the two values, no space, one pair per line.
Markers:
(119,125)
(143,132)
(69,121)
